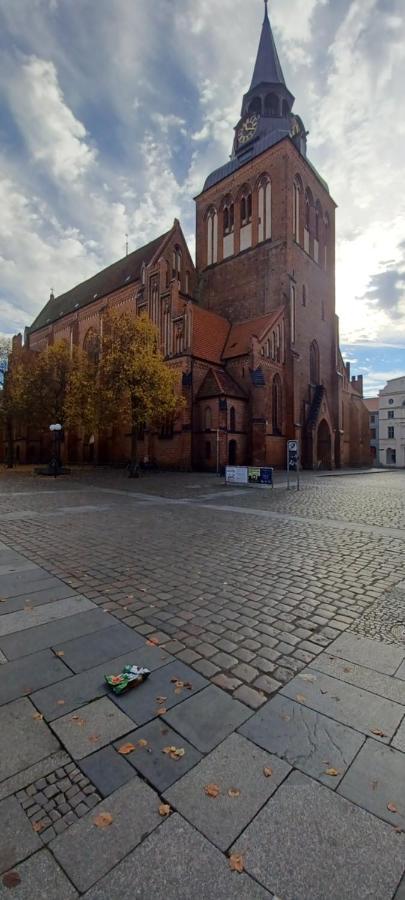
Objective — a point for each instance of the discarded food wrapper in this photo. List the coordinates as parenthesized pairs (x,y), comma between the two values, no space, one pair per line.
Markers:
(130,677)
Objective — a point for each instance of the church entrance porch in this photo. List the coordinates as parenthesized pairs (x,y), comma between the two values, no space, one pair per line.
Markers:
(324,446)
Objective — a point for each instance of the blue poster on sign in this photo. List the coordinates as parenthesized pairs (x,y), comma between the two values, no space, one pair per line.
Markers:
(266,476)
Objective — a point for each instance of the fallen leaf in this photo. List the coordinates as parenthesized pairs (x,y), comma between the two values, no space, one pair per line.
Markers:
(285,718)
(347,669)
(161,712)
(332,772)
(267,771)
(236,863)
(11,879)
(234,792)
(142,743)
(152,642)
(301,698)
(3,600)
(103,820)
(78,721)
(212,790)
(60,702)
(38,716)
(174,752)
(38,826)
(160,700)
(59,653)
(164,809)
(378,732)
(392,807)
(126,749)
(94,738)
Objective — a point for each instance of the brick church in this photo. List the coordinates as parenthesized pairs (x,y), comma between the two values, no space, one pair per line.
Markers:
(251,328)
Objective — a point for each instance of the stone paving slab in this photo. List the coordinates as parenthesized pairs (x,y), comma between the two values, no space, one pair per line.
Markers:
(160,691)
(14,585)
(23,739)
(42,879)
(399,739)
(17,839)
(59,699)
(87,853)
(308,740)
(107,770)
(22,565)
(400,673)
(308,842)
(376,779)
(16,646)
(154,765)
(37,598)
(207,718)
(176,863)
(384,685)
(89,651)
(385,658)
(41,615)
(236,765)
(347,704)
(92,727)
(33,773)
(23,676)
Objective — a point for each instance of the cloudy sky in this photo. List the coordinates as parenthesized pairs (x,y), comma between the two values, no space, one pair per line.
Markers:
(112,112)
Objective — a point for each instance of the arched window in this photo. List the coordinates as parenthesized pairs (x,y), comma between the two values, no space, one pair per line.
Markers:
(212,237)
(286,108)
(264,209)
(91,346)
(318,219)
(232,419)
(273,345)
(297,187)
(229,217)
(326,237)
(278,342)
(314,363)
(208,418)
(176,273)
(167,274)
(304,295)
(143,273)
(307,229)
(255,106)
(246,209)
(276,405)
(272,105)
(268,348)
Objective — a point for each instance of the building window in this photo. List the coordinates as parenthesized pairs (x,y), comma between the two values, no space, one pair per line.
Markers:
(372,419)
(264,210)
(314,363)
(391,413)
(390,402)
(246,209)
(296,209)
(167,429)
(272,105)
(229,218)
(176,272)
(91,346)
(276,405)
(391,432)
(326,238)
(304,295)
(255,106)
(232,419)
(293,304)
(208,418)
(143,273)
(373,434)
(212,237)
(307,229)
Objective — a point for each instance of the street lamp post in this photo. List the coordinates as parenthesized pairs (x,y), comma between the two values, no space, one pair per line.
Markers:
(55,461)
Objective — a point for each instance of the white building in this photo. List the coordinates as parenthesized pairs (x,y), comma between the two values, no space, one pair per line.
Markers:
(392,423)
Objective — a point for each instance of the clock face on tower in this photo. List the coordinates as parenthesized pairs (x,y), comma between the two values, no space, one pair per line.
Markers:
(247,129)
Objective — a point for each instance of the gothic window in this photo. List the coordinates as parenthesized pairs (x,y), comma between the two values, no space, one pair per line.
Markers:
(143,273)
(208,418)
(264,209)
(91,346)
(167,429)
(229,217)
(293,298)
(176,269)
(286,108)
(167,274)
(268,348)
(255,106)
(212,237)
(297,187)
(276,405)
(326,239)
(314,376)
(272,105)
(278,341)
(246,209)
(232,419)
(154,303)
(273,345)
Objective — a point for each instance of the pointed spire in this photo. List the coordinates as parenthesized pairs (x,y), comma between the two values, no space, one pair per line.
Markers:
(267,68)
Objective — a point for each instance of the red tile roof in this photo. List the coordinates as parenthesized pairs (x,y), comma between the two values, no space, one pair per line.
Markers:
(240,338)
(218,382)
(210,332)
(372,404)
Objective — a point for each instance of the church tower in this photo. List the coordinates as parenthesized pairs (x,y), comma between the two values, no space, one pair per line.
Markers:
(265,246)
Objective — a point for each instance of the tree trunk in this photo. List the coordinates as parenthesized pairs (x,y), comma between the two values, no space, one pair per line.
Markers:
(10,443)
(134,465)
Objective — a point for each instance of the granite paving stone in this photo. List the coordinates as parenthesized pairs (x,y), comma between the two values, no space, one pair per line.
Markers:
(176,863)
(41,615)
(160,691)
(377,779)
(400,673)
(89,651)
(14,585)
(36,598)
(23,739)
(236,765)
(308,842)
(58,700)
(385,658)
(207,718)
(308,740)
(42,879)
(347,704)
(399,739)
(151,762)
(30,673)
(384,685)
(95,725)
(107,770)
(17,839)
(22,565)
(87,852)
(39,638)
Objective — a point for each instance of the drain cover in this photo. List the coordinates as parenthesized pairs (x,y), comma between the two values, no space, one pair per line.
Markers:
(398,631)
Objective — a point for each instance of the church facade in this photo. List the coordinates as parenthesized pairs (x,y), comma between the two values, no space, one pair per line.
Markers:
(251,328)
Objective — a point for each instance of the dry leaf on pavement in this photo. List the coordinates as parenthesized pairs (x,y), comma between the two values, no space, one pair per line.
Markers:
(301,698)
(59,653)
(161,700)
(152,642)
(38,826)
(11,879)
(38,716)
(174,752)
(103,820)
(162,711)
(60,702)
(212,790)
(164,809)
(332,772)
(126,749)
(267,771)
(378,732)
(392,807)
(94,738)
(142,743)
(236,862)
(234,792)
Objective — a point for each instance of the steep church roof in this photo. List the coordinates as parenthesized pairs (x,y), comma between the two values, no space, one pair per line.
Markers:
(268,68)
(240,336)
(118,275)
